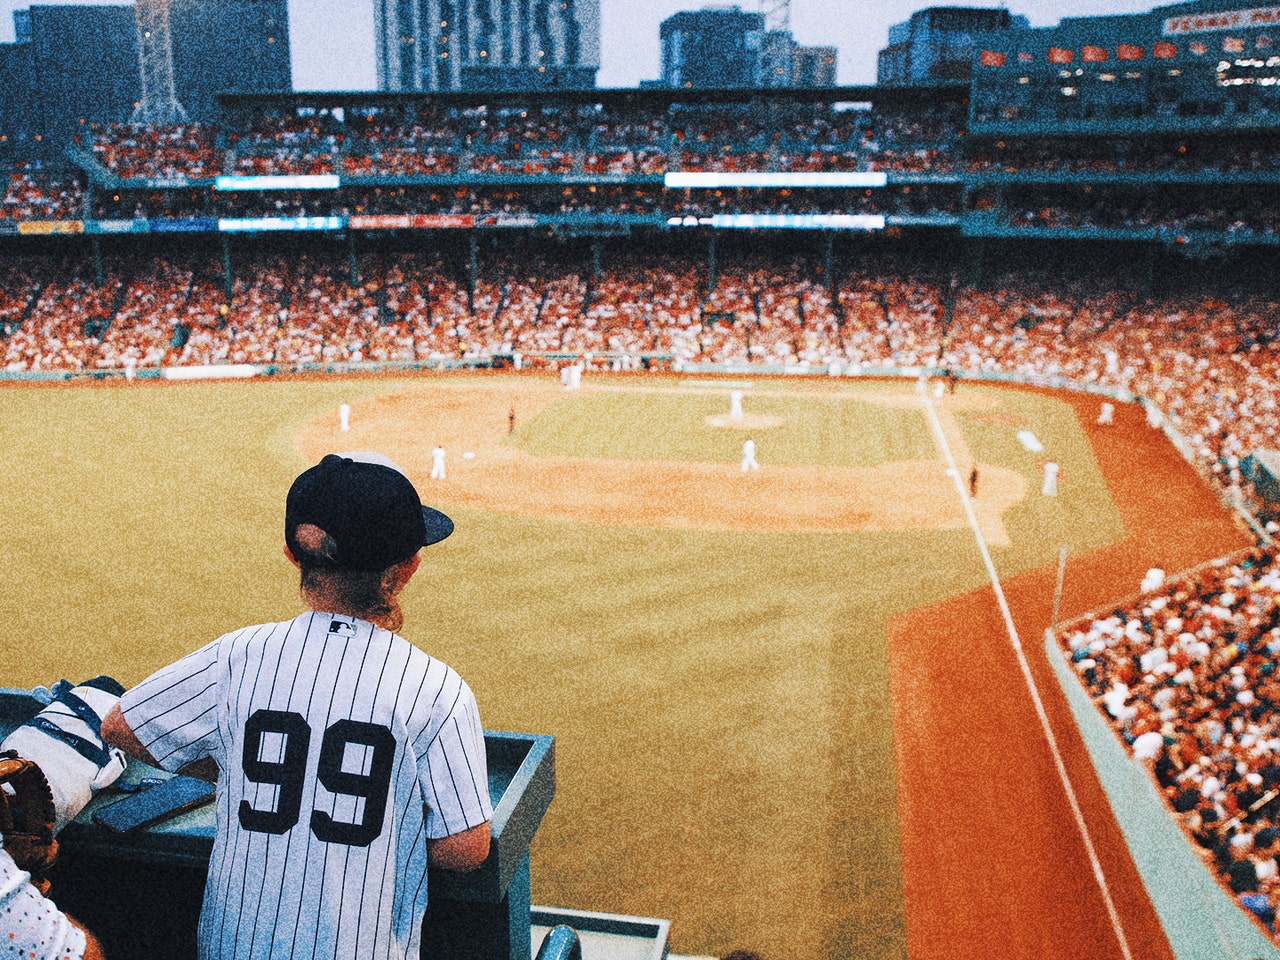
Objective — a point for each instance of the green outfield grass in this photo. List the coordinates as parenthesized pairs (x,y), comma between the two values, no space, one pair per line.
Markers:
(720,700)
(821,430)
(1083,516)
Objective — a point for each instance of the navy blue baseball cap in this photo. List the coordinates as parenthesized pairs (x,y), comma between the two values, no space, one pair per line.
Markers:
(361,513)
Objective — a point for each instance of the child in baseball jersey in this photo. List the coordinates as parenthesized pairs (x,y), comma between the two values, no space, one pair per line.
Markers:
(347,759)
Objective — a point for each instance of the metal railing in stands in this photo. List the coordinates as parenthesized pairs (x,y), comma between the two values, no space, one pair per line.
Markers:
(560,943)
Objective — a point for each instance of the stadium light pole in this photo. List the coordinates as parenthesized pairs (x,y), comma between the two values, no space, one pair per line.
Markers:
(159,103)
(777,15)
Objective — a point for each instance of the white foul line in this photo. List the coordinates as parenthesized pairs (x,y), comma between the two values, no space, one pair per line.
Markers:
(922,389)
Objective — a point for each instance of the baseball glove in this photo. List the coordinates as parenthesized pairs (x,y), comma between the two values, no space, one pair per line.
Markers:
(27,816)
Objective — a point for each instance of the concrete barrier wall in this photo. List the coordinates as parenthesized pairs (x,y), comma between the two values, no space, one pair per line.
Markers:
(1201,919)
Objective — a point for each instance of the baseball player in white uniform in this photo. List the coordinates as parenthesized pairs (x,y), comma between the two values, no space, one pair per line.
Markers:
(1050,488)
(347,759)
(749,456)
(437,463)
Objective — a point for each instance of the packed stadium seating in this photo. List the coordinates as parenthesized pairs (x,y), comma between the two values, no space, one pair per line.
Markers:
(1217,383)
(149,150)
(35,194)
(1187,676)
(593,139)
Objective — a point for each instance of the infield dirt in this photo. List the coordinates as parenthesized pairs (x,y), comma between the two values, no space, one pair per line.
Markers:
(994,862)
(899,495)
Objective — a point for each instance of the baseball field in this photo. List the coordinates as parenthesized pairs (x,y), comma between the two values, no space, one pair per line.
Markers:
(788,713)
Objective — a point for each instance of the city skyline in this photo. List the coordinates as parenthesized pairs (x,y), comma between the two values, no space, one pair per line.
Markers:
(332,45)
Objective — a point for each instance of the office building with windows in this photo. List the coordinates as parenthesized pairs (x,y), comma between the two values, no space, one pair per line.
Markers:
(84,68)
(486,44)
(1210,59)
(229,46)
(712,48)
(936,44)
(785,63)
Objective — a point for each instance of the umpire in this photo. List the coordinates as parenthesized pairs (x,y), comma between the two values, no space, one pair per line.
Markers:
(347,759)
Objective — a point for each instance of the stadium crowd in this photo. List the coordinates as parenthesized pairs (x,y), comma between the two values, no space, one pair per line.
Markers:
(598,140)
(556,198)
(1112,155)
(179,151)
(1236,212)
(1209,362)
(1187,676)
(481,142)
(35,194)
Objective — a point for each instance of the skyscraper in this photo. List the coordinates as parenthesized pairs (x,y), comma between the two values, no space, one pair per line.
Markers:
(936,44)
(486,44)
(784,63)
(84,68)
(228,46)
(715,47)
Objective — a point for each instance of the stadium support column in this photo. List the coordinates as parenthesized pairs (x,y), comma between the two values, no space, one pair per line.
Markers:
(828,263)
(948,313)
(711,265)
(228,282)
(352,266)
(471,277)
(949,302)
(977,254)
(97,260)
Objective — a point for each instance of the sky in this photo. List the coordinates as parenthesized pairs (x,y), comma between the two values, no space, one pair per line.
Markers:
(332,40)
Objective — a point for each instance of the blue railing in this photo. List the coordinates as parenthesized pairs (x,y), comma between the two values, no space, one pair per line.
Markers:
(560,943)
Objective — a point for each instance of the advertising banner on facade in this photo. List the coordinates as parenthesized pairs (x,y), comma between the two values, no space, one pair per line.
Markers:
(443,220)
(117,226)
(716,180)
(255,224)
(322,181)
(1222,20)
(44,228)
(190,225)
(783,221)
(418,221)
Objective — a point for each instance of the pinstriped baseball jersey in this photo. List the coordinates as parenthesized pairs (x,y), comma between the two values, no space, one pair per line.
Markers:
(342,749)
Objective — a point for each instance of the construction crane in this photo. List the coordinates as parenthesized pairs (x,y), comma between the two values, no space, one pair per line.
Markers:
(777,15)
(159,102)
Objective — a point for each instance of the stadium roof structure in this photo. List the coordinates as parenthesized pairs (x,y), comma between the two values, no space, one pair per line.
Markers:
(654,97)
